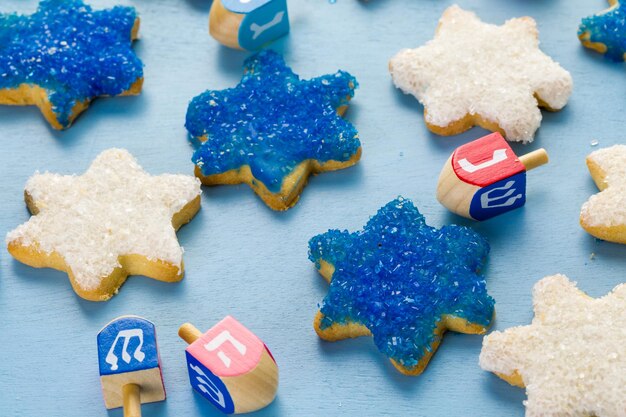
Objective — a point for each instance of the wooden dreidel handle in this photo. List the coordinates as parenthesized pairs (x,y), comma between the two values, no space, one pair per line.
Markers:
(131,399)
(484,178)
(230,366)
(129,363)
(189,333)
(534,159)
(248,24)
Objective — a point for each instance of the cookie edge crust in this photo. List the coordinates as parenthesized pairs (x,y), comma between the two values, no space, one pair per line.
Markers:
(600,47)
(352,329)
(469,120)
(615,234)
(292,185)
(515,378)
(34,95)
(132,264)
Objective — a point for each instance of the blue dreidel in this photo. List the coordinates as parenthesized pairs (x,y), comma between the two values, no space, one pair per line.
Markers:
(248,24)
(484,178)
(130,367)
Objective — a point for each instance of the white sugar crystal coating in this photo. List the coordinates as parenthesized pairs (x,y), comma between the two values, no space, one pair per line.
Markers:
(572,358)
(608,208)
(475,68)
(115,208)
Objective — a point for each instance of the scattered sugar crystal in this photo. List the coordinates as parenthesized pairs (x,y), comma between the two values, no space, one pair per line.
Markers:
(399,276)
(607,208)
(92,219)
(471,67)
(568,357)
(71,51)
(272,121)
(608,28)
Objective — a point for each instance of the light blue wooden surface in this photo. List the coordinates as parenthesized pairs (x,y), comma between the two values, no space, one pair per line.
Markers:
(245,260)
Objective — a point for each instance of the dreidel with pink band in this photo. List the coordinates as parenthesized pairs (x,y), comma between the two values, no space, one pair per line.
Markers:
(485,178)
(130,366)
(230,366)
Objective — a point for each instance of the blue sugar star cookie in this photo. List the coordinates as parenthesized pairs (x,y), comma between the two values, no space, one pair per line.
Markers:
(606,32)
(273,130)
(64,55)
(403,282)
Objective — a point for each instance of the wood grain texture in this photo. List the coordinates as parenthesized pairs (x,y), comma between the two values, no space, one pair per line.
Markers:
(238,359)
(243,259)
(224,25)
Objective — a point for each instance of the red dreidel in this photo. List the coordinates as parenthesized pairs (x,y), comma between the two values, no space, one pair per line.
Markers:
(230,366)
(485,178)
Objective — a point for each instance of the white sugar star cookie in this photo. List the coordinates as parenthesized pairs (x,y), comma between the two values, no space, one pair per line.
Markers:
(572,358)
(474,73)
(604,214)
(113,221)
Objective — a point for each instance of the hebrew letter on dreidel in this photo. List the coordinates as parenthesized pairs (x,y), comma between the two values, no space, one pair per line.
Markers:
(230,366)
(486,201)
(112,359)
(136,378)
(491,185)
(205,382)
(248,24)
(222,338)
(259,29)
(499,155)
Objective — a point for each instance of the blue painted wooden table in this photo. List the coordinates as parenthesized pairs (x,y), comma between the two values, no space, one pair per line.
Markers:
(243,259)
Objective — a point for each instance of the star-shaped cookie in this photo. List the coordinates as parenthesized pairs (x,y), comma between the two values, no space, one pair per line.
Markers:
(65,55)
(605,32)
(273,130)
(571,359)
(113,221)
(477,74)
(604,214)
(403,282)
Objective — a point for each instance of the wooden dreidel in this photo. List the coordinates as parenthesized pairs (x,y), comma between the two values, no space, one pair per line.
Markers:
(230,366)
(484,178)
(248,24)
(130,367)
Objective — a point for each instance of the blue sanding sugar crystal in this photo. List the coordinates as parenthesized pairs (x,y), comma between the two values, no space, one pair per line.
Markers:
(399,276)
(272,121)
(608,28)
(71,51)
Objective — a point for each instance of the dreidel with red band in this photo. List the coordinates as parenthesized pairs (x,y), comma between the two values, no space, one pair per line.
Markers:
(230,366)
(485,178)
(248,24)
(130,366)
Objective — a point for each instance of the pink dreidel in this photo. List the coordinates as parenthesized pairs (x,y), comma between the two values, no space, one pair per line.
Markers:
(230,366)
(485,178)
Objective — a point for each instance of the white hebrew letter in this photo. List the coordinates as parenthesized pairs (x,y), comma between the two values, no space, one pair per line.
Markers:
(499,155)
(487,202)
(212,390)
(111,359)
(259,29)
(222,338)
